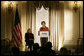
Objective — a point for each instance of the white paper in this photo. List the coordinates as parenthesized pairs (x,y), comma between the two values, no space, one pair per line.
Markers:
(44,33)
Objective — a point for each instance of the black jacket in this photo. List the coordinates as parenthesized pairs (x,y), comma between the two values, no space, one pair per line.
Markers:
(27,38)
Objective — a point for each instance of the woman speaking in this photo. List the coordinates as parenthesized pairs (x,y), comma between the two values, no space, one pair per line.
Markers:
(43,28)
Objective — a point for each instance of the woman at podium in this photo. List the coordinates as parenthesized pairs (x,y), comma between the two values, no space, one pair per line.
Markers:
(43,28)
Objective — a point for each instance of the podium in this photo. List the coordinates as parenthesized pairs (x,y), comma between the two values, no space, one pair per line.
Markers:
(44,36)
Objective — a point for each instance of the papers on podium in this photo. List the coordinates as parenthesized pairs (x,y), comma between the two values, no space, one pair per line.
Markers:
(44,34)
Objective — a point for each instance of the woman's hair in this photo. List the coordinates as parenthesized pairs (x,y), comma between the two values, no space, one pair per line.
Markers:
(28,30)
(43,22)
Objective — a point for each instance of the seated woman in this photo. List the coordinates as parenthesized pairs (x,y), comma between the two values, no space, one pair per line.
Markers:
(29,38)
(43,28)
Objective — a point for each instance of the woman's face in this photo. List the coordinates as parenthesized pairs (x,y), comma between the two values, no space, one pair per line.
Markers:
(29,31)
(43,24)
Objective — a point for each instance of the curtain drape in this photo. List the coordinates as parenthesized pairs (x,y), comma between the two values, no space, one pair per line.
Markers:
(28,15)
(22,14)
(56,25)
(31,18)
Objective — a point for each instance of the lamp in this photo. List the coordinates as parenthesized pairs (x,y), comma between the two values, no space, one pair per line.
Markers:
(75,6)
(10,7)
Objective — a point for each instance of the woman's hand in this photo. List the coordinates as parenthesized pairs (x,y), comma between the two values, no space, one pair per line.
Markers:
(38,32)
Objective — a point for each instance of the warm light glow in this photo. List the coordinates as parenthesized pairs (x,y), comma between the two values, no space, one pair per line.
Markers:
(13,3)
(60,45)
(75,2)
(7,3)
(71,3)
(78,2)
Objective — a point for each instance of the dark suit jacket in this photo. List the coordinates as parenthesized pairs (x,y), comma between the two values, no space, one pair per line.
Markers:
(27,38)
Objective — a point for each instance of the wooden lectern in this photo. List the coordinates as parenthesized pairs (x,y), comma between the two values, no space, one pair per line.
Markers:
(44,36)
